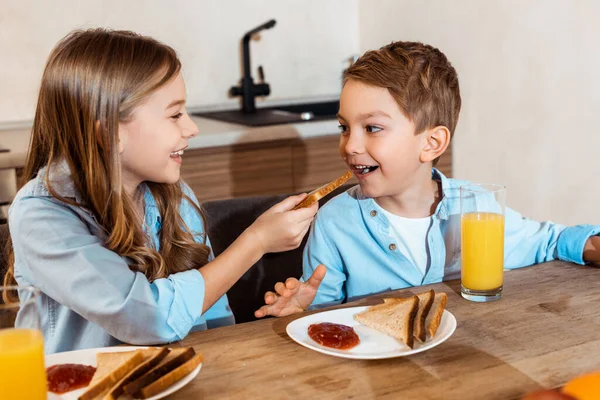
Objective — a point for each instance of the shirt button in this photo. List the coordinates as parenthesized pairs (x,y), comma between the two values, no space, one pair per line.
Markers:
(392,247)
(373,213)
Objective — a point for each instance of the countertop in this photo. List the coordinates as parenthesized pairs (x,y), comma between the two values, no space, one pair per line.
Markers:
(212,133)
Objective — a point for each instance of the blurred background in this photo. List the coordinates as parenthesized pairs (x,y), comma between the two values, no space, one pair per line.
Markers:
(528,72)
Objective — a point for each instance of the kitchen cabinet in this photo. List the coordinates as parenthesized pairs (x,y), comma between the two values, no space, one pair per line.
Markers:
(267,168)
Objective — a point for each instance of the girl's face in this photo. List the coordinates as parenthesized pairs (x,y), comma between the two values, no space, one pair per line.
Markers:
(151,143)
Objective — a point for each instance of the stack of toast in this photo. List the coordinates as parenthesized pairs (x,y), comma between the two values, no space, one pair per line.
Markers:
(141,373)
(407,318)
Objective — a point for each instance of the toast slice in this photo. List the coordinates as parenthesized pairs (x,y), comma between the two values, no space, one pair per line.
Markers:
(152,357)
(395,318)
(323,191)
(170,378)
(174,359)
(111,368)
(425,303)
(435,313)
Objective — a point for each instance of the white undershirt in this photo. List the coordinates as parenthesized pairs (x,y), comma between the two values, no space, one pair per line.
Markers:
(411,237)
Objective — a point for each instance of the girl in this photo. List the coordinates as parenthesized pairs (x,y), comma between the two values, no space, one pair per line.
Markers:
(104,227)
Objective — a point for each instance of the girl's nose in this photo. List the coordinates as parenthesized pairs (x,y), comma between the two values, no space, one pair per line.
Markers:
(190,129)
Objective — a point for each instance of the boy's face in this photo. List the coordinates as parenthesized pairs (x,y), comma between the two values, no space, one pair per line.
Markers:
(378,142)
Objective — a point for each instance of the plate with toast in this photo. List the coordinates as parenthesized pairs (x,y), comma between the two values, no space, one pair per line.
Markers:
(398,327)
(129,372)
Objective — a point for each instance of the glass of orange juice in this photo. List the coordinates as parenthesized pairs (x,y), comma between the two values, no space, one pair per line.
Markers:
(22,370)
(482,241)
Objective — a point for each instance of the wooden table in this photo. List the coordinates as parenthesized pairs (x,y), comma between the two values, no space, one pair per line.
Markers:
(544,331)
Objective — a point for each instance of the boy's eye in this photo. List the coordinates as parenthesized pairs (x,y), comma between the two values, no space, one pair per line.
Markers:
(372,129)
(177,116)
(343,128)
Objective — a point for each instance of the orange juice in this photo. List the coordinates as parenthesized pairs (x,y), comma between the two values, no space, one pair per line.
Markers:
(586,387)
(22,371)
(482,242)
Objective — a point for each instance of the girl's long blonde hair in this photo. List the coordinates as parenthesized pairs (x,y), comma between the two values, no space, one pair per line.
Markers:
(93,80)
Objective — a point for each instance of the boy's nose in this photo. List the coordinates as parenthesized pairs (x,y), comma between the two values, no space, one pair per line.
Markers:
(354,145)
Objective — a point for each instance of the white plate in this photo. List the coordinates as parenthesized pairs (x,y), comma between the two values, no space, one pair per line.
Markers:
(88,357)
(373,344)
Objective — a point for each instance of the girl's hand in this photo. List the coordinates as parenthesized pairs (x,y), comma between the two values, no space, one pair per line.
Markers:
(293,296)
(280,228)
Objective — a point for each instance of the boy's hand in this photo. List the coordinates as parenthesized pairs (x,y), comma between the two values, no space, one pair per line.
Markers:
(293,296)
(591,251)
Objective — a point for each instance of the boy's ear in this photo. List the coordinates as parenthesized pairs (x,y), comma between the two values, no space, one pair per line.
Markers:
(435,143)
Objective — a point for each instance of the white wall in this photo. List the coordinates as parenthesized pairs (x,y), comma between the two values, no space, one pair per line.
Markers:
(528,71)
(303,55)
(530,82)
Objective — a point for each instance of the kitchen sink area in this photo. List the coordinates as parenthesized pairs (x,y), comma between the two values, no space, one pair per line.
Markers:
(276,115)
(247,90)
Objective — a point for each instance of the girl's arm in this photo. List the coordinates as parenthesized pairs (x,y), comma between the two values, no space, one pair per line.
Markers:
(56,252)
(278,229)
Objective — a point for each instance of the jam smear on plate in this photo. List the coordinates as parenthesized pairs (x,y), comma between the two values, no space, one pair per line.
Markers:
(63,378)
(332,335)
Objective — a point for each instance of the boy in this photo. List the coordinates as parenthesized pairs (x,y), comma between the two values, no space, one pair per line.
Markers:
(400,227)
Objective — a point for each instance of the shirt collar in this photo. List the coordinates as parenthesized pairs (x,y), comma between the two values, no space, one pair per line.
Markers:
(442,209)
(60,178)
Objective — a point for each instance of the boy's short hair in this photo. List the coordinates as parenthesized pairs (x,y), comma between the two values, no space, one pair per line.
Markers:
(418,76)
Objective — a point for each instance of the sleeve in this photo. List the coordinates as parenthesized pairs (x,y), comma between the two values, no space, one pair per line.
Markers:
(193,220)
(320,250)
(56,252)
(219,314)
(529,242)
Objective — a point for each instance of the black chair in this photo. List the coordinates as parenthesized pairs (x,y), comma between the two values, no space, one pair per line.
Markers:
(4,234)
(227,219)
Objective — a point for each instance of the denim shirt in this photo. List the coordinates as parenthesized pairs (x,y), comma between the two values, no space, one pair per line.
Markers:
(90,297)
(356,244)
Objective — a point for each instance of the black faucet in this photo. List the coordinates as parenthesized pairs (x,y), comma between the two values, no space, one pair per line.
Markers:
(248,89)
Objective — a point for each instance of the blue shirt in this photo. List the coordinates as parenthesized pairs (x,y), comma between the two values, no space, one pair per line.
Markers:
(357,245)
(90,297)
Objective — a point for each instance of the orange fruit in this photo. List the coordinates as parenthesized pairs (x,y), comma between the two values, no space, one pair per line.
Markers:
(585,387)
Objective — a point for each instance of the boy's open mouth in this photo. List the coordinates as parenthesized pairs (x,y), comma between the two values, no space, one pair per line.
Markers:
(364,169)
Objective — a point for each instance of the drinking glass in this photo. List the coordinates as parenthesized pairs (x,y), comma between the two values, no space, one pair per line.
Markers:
(482,241)
(22,370)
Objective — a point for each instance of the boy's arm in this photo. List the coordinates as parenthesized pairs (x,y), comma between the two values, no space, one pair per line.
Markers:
(529,242)
(591,250)
(320,250)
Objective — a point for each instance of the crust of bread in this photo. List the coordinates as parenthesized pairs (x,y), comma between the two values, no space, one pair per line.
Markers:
(323,191)
(425,303)
(152,357)
(174,359)
(435,314)
(170,378)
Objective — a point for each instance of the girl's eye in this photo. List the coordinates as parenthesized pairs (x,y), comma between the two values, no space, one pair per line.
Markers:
(372,129)
(177,116)
(343,129)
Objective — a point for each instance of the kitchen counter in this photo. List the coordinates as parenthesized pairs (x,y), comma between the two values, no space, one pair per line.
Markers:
(212,133)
